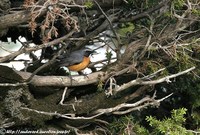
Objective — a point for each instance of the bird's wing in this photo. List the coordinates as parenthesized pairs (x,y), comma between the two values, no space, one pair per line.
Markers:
(71,59)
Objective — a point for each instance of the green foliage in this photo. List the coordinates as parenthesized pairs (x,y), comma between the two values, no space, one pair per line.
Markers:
(151,3)
(171,126)
(125,29)
(108,56)
(196,118)
(178,3)
(188,88)
(168,14)
(88,4)
(153,66)
(178,115)
(182,60)
(143,4)
(196,12)
(100,86)
(192,88)
(127,124)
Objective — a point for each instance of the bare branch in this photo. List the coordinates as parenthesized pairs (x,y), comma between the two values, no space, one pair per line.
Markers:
(139,81)
(63,96)
(110,23)
(38,47)
(12,84)
(147,101)
(67,116)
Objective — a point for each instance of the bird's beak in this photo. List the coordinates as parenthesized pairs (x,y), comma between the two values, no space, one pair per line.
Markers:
(94,53)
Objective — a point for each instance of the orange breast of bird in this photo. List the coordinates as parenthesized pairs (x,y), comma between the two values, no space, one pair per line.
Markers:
(80,66)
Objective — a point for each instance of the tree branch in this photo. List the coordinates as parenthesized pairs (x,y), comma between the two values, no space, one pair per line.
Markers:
(38,47)
(67,116)
(62,81)
(147,101)
(139,81)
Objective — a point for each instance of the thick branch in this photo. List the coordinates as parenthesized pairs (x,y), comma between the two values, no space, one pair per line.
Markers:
(15,19)
(62,81)
(16,78)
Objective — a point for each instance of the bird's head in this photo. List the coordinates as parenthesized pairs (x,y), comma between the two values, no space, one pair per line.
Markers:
(88,52)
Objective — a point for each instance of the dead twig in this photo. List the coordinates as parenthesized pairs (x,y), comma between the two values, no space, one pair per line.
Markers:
(37,47)
(113,30)
(129,107)
(139,81)
(67,116)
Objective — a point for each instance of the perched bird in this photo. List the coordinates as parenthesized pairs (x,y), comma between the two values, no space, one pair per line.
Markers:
(77,60)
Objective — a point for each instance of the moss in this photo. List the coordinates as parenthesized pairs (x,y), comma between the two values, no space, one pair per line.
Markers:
(182,61)
(153,66)
(46,104)
(14,100)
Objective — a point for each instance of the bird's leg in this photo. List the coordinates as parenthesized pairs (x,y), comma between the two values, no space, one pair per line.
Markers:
(70,76)
(81,73)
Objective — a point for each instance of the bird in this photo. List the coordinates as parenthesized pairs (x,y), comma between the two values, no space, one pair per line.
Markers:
(77,60)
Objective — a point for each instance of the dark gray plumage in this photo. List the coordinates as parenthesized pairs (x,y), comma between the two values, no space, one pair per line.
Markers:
(74,57)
